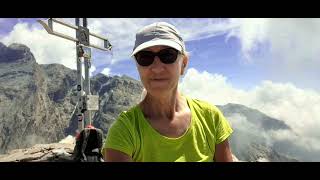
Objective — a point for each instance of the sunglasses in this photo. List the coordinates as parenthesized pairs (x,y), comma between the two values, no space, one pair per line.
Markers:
(166,56)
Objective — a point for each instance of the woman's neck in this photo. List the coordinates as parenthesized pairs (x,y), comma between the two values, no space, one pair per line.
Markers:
(164,106)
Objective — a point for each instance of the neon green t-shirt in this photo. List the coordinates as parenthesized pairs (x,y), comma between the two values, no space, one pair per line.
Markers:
(132,134)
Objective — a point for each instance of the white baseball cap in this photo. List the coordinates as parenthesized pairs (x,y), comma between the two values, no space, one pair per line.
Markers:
(159,33)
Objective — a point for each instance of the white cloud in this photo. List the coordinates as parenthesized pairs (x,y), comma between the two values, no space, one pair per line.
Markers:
(106,71)
(246,133)
(210,86)
(294,44)
(299,108)
(46,48)
(295,39)
(310,143)
(238,120)
(251,32)
(193,29)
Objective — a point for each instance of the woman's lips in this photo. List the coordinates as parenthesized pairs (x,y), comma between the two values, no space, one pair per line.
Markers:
(159,79)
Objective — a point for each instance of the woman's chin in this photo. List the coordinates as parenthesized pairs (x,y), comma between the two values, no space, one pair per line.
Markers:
(162,84)
(158,89)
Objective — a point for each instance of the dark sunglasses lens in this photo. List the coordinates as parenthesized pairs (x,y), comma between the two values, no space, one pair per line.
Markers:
(144,58)
(168,56)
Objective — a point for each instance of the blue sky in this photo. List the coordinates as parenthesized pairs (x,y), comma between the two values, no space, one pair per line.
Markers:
(268,64)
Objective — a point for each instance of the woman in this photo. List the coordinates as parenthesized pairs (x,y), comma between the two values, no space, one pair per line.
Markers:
(166,125)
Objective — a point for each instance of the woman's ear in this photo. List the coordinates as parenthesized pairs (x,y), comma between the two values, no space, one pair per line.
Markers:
(184,64)
(183,67)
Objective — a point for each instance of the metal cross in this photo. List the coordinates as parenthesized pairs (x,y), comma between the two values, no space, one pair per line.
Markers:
(86,102)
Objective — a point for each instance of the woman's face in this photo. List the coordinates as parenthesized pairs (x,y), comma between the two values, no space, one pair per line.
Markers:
(159,78)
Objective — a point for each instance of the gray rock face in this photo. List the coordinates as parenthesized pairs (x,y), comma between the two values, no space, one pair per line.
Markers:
(55,152)
(116,95)
(37,101)
(27,114)
(262,153)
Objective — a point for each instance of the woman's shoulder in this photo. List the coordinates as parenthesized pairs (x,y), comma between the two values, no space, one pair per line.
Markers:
(201,104)
(130,115)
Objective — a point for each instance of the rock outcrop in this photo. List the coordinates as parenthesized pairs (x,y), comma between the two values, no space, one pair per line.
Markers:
(55,152)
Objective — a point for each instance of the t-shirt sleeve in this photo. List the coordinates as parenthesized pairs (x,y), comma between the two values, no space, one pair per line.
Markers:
(222,127)
(119,136)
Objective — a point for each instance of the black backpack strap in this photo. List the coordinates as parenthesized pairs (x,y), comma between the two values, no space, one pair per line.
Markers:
(86,134)
(100,141)
(100,138)
(77,151)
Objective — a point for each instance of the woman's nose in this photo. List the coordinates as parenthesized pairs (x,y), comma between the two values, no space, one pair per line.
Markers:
(157,65)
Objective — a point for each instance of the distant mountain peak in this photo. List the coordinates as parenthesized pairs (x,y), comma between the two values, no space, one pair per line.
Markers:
(255,116)
(19,46)
(14,53)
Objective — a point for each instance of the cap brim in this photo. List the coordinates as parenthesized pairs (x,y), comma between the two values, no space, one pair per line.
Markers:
(158,42)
